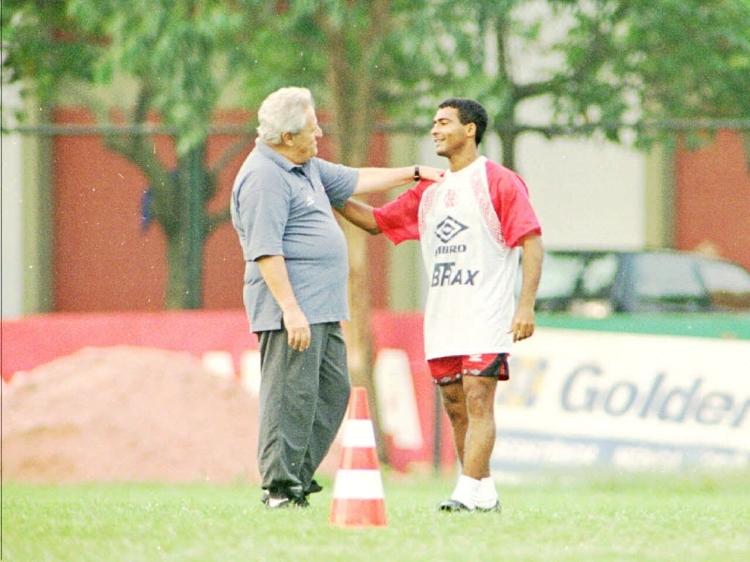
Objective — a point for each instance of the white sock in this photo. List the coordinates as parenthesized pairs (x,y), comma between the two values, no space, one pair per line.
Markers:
(466,491)
(486,494)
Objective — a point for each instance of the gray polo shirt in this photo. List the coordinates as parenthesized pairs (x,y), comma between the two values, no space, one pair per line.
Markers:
(284,209)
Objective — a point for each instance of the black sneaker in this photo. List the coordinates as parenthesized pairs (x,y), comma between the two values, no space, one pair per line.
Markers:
(313,488)
(291,497)
(297,497)
(453,506)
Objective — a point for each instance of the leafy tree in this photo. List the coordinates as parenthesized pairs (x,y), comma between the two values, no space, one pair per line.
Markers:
(180,54)
(658,66)
(622,68)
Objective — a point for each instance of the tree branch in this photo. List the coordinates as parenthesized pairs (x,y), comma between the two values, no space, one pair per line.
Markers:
(135,149)
(550,131)
(365,80)
(215,220)
(533,89)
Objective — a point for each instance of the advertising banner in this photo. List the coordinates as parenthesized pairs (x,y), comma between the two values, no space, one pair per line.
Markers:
(627,401)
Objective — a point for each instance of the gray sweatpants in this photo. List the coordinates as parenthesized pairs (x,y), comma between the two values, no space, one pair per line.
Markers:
(303,398)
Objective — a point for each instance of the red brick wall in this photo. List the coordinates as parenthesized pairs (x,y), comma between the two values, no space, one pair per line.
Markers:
(712,198)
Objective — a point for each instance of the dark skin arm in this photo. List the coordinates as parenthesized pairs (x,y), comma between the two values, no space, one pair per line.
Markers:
(359,214)
(524,321)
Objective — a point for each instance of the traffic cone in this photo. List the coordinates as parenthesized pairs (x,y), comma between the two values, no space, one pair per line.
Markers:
(358,499)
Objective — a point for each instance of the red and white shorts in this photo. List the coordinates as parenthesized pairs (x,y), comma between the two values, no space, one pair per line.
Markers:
(447,370)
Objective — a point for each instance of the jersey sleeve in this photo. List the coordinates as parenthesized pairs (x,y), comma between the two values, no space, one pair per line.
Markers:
(510,197)
(399,219)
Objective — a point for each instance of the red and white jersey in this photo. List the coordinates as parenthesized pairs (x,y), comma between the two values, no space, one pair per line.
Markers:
(470,226)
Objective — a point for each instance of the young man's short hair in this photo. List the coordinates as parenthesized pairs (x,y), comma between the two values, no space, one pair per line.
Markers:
(469,111)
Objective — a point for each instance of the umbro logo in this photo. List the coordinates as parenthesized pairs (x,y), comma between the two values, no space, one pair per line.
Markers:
(448,228)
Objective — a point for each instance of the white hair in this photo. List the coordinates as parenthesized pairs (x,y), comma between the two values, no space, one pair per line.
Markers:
(283,111)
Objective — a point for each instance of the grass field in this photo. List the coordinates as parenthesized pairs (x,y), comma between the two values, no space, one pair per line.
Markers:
(657,518)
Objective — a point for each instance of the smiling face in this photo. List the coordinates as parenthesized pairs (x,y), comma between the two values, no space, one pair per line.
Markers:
(302,146)
(449,134)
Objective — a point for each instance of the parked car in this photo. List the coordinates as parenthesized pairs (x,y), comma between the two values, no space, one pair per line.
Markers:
(599,283)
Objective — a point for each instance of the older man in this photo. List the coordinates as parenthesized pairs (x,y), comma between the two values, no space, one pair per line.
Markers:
(295,287)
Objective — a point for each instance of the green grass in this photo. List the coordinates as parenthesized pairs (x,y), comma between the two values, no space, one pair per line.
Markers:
(645,518)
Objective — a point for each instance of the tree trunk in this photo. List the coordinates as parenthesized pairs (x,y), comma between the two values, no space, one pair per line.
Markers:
(360,344)
(183,290)
(185,243)
(352,86)
(508,142)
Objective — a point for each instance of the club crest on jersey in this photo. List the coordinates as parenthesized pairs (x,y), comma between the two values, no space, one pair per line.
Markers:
(450,198)
(448,228)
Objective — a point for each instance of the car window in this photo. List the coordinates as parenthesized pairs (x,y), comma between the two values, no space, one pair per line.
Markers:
(599,276)
(668,282)
(728,284)
(560,274)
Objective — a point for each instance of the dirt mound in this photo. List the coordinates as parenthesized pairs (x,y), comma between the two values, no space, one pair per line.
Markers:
(127,414)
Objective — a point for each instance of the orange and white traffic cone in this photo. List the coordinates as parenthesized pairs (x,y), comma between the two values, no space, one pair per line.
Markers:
(358,499)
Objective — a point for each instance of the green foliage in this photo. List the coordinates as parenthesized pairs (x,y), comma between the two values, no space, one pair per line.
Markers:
(606,66)
(41,44)
(392,47)
(642,62)
(176,51)
(599,64)
(180,55)
(650,517)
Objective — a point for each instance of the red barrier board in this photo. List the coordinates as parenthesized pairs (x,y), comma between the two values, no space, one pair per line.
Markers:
(35,340)
(404,331)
